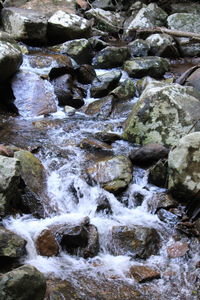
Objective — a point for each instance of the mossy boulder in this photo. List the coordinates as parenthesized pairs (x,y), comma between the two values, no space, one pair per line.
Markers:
(163,114)
(32,171)
(188,22)
(184,167)
(146,66)
(24,283)
(9,182)
(111,57)
(125,91)
(139,48)
(112,173)
(79,49)
(105,83)
(11,244)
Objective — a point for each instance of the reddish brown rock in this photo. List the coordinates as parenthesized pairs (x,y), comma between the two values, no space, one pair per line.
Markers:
(149,154)
(5,151)
(143,273)
(46,243)
(178,249)
(92,144)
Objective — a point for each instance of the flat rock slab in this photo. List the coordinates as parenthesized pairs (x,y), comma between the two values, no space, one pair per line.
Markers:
(34,96)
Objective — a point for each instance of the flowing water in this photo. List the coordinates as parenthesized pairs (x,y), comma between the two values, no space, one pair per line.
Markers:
(65,163)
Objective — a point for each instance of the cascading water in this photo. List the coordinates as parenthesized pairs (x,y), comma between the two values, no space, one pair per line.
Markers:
(69,207)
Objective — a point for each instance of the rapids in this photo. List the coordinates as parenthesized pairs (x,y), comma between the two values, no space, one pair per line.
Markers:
(64,162)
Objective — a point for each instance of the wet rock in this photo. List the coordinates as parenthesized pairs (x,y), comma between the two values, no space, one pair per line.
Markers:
(167,216)
(25,24)
(95,287)
(30,203)
(105,83)
(47,244)
(158,174)
(81,240)
(85,74)
(162,45)
(9,182)
(70,111)
(105,20)
(32,171)
(184,166)
(186,22)
(10,58)
(125,91)
(79,49)
(94,145)
(147,17)
(144,66)
(164,200)
(63,26)
(177,249)
(110,57)
(100,108)
(148,154)
(188,229)
(163,114)
(138,241)
(48,65)
(34,96)
(11,244)
(24,283)
(63,89)
(138,48)
(143,273)
(103,205)
(113,173)
(107,137)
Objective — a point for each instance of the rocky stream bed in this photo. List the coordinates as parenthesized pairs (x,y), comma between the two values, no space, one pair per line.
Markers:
(99,150)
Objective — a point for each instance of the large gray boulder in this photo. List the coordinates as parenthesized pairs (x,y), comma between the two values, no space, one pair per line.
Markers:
(143,66)
(163,114)
(147,17)
(9,181)
(188,22)
(79,49)
(11,244)
(112,173)
(33,96)
(162,45)
(63,27)
(24,283)
(24,24)
(184,167)
(10,57)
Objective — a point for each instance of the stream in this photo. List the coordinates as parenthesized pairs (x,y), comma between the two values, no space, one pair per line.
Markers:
(57,137)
